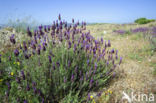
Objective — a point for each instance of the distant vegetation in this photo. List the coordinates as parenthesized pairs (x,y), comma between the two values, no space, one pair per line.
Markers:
(144,21)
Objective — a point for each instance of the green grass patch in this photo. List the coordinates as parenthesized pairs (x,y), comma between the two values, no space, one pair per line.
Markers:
(136,36)
(135,56)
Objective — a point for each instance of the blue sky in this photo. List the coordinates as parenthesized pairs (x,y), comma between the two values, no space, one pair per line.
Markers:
(106,11)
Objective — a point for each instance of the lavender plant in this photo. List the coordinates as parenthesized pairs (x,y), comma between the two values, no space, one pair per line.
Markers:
(58,62)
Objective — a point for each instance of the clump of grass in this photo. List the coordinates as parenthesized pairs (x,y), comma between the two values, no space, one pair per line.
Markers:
(56,63)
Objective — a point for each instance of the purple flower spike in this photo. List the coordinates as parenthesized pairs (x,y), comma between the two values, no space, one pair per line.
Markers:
(23,75)
(109,44)
(72,20)
(22,72)
(112,51)
(99,94)
(116,52)
(28,87)
(29,32)
(42,100)
(75,47)
(120,60)
(45,28)
(88,97)
(38,51)
(9,58)
(95,65)
(116,56)
(69,45)
(25,46)
(26,56)
(34,84)
(35,90)
(107,63)
(72,78)
(88,61)
(94,51)
(113,75)
(53,66)
(9,86)
(25,101)
(16,52)
(12,39)
(59,17)
(102,40)
(44,48)
(91,82)
(58,64)
(50,59)
(18,80)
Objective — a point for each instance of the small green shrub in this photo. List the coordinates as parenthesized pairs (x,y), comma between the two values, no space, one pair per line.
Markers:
(144,21)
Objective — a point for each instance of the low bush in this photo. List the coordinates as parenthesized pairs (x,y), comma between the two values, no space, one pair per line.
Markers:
(144,21)
(58,63)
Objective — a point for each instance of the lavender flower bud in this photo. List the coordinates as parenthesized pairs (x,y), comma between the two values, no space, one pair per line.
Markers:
(9,86)
(25,101)
(29,32)
(50,59)
(91,82)
(16,52)
(18,80)
(42,100)
(72,78)
(120,60)
(34,84)
(35,90)
(28,87)
(72,20)
(12,39)
(109,44)
(58,64)
(88,62)
(59,17)
(53,66)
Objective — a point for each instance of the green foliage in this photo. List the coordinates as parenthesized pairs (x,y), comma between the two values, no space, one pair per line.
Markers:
(70,74)
(51,81)
(144,21)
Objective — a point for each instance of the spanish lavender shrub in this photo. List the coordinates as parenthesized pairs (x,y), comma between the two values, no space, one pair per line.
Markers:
(61,62)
